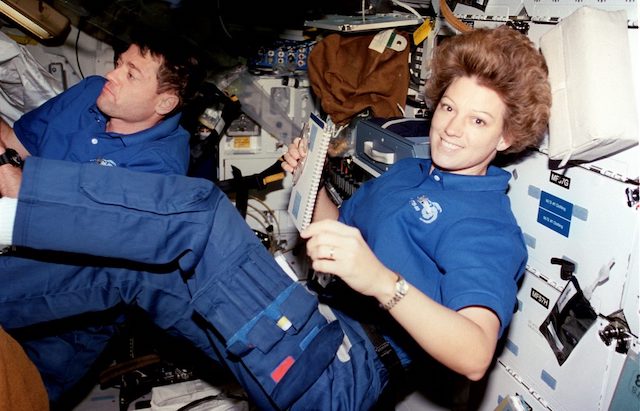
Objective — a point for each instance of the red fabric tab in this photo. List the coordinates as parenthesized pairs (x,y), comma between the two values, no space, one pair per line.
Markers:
(281,370)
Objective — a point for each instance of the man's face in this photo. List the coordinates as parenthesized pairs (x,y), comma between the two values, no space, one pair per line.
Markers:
(467,128)
(130,98)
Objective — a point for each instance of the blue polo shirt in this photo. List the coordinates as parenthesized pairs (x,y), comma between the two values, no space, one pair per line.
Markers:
(452,236)
(70,127)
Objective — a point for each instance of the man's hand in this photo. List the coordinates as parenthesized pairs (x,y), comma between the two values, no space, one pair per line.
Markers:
(10,180)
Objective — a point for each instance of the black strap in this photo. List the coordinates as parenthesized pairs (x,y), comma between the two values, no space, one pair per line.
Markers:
(386,353)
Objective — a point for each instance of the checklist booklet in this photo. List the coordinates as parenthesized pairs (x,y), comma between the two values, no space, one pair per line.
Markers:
(307,175)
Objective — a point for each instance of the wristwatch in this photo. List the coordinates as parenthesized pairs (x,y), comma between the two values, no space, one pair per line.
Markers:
(11,156)
(401,289)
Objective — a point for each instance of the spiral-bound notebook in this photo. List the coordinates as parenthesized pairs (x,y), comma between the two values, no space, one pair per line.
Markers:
(306,177)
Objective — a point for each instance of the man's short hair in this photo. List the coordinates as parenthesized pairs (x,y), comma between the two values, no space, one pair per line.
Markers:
(180,70)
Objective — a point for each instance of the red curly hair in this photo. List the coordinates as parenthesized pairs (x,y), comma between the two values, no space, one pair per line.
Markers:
(508,63)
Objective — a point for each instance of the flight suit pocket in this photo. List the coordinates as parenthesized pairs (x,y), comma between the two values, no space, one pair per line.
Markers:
(273,326)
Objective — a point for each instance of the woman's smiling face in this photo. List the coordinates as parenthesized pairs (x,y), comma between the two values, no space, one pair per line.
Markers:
(467,128)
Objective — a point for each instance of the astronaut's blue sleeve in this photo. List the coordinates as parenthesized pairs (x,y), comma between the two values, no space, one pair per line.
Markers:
(32,126)
(114,212)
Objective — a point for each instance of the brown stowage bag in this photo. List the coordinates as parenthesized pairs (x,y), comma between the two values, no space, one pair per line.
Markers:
(348,77)
(21,387)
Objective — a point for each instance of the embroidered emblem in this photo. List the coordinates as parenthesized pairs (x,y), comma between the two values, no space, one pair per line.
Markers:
(428,209)
(105,162)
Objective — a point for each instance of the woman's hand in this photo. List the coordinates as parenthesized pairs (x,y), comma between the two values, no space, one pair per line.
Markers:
(339,249)
(294,154)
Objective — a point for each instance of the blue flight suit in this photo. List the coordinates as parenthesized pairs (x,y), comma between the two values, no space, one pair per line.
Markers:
(207,264)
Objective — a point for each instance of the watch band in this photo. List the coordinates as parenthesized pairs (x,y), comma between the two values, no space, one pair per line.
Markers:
(11,156)
(401,289)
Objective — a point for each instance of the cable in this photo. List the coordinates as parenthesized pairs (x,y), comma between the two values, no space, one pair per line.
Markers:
(77,56)
(452,19)
(261,213)
(269,210)
(406,6)
(273,237)
(224,28)
(262,224)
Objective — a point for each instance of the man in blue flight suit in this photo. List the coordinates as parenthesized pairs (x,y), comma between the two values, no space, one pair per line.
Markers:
(130,118)
(174,233)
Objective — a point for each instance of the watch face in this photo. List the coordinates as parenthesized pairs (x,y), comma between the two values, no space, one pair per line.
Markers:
(15,158)
(402,287)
